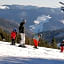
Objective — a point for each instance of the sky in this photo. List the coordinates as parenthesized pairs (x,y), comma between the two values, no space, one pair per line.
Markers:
(39,3)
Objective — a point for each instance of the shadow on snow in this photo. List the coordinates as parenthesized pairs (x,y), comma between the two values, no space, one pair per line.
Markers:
(17,60)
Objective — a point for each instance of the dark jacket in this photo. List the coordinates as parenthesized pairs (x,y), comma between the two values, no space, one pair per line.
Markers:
(21,27)
(62,43)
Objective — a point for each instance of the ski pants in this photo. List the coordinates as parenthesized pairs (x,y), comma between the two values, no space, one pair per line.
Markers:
(22,42)
(35,42)
(13,42)
(61,48)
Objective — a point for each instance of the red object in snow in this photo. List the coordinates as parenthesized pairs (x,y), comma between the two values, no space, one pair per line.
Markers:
(61,48)
(35,42)
(13,35)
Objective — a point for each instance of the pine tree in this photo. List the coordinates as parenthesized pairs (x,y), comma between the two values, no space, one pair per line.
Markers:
(0,38)
(18,38)
(54,43)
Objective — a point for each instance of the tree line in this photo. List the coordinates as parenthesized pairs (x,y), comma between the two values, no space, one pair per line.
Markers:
(4,36)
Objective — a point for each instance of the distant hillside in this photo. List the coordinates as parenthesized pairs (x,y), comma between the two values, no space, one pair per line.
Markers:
(57,34)
(8,25)
(15,13)
(32,13)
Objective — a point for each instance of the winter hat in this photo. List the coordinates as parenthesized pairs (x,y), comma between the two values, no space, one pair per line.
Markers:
(24,20)
(14,30)
(40,35)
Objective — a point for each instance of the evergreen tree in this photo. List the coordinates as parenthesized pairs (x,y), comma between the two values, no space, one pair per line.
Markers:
(54,43)
(0,38)
(18,38)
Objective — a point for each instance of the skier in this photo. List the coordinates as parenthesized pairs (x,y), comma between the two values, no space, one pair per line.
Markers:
(36,40)
(22,33)
(62,45)
(13,36)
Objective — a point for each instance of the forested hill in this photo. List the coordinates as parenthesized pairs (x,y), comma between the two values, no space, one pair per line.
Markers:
(8,25)
(57,34)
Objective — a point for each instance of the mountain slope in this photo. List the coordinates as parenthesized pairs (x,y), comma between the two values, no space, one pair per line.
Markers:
(32,13)
(57,34)
(8,25)
(15,13)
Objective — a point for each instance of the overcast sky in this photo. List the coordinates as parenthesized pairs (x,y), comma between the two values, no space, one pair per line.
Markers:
(39,3)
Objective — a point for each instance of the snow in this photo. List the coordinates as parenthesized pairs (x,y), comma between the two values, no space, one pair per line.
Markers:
(16,55)
(62,21)
(4,7)
(39,23)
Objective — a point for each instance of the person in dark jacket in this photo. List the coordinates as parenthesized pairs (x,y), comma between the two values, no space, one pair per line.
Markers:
(62,46)
(22,33)
(13,36)
(2,36)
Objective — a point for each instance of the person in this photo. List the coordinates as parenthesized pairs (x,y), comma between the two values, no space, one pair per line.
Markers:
(13,36)
(22,33)
(62,46)
(36,40)
(2,36)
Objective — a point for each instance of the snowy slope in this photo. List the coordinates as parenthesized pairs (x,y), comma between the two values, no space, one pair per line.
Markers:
(15,55)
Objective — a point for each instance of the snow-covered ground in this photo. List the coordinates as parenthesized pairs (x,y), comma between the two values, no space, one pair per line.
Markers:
(16,55)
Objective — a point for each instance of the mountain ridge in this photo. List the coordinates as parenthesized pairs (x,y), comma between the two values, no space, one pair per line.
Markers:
(16,13)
